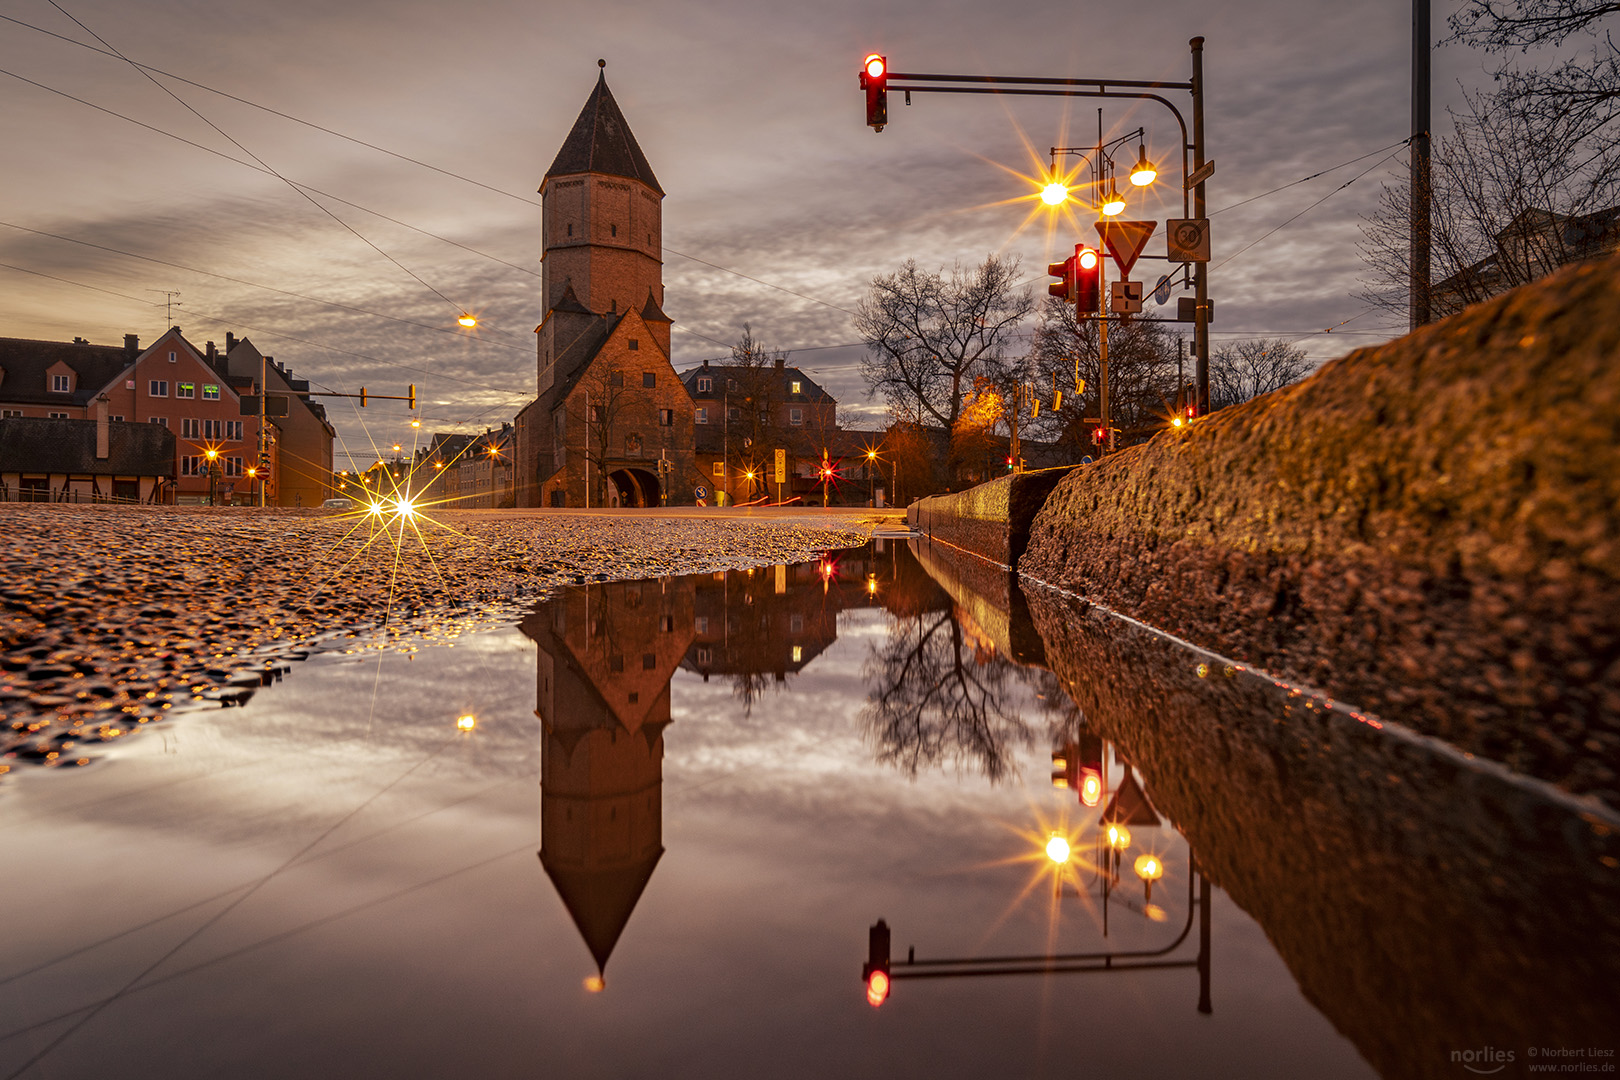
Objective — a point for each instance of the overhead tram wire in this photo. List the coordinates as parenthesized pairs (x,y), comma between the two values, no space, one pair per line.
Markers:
(395,154)
(254,284)
(461,309)
(1313,176)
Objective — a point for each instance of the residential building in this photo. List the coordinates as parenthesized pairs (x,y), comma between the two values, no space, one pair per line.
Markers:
(170,384)
(1532,245)
(611,424)
(45,459)
(483,472)
(299,444)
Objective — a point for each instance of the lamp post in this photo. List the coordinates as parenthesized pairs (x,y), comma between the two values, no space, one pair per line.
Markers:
(213,473)
(1110,204)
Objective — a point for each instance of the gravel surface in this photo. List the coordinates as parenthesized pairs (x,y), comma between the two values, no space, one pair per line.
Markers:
(112,617)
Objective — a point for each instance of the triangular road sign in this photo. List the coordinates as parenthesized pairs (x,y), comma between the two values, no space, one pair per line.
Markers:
(1125,241)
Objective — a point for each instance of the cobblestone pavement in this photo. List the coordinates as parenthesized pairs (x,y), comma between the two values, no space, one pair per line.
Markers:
(112,617)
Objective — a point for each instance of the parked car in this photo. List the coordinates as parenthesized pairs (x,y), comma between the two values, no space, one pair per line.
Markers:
(337,504)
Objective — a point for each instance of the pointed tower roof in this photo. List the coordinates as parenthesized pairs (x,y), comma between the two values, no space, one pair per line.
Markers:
(600,900)
(601,142)
(651,312)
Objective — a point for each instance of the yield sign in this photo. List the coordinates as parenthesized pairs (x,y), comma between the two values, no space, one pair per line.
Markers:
(1125,241)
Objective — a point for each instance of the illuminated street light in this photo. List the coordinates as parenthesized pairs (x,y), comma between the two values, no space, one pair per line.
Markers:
(1143,173)
(466,723)
(1113,203)
(1057,849)
(468,320)
(1118,836)
(1055,194)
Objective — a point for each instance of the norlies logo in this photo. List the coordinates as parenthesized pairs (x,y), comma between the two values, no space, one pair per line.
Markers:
(1484,1061)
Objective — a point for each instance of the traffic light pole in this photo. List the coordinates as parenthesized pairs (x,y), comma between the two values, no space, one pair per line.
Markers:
(1193,160)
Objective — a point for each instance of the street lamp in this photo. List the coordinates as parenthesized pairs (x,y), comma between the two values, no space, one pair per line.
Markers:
(213,473)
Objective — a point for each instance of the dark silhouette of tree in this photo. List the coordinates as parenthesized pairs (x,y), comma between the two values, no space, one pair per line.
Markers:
(928,335)
(1246,369)
(935,697)
(1141,376)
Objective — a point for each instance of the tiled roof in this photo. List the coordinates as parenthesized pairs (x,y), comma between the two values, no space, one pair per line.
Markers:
(25,363)
(34,445)
(601,142)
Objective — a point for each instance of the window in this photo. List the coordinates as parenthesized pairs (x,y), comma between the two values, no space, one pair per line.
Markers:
(701,416)
(188,428)
(720,469)
(116,419)
(795,623)
(796,387)
(632,444)
(764,418)
(213,429)
(616,378)
(731,384)
(666,417)
(185,389)
(596,414)
(798,654)
(705,384)
(616,662)
(57,415)
(233,466)
(210,393)
(705,655)
(734,414)
(635,344)
(570,228)
(61,384)
(233,430)
(164,420)
(649,661)
(191,465)
(158,388)
(701,624)
(795,416)
(666,624)
(18,412)
(613,230)
(171,356)
(649,379)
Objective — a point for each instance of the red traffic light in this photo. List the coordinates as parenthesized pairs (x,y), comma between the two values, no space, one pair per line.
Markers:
(1087,257)
(875,972)
(877,988)
(875,81)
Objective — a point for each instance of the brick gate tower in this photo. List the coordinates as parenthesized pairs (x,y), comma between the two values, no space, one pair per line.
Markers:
(611,423)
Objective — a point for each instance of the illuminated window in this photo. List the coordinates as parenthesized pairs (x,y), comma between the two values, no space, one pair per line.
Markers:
(798,654)
(797,388)
(185,389)
(210,393)
(720,469)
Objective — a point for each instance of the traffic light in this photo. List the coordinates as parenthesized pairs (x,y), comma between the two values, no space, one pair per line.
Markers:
(362,397)
(875,972)
(1089,769)
(1087,280)
(1064,272)
(1099,434)
(875,81)
(1009,463)
(413,396)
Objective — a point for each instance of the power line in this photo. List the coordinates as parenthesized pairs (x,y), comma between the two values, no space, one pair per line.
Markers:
(391,153)
(1313,176)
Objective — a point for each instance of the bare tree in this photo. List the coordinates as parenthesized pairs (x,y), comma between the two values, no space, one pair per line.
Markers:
(933,699)
(928,335)
(1246,369)
(602,412)
(1141,375)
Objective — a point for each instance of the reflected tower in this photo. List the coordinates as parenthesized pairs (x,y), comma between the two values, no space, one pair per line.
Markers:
(602,671)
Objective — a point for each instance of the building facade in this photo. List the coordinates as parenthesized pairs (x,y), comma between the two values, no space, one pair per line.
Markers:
(611,424)
(299,444)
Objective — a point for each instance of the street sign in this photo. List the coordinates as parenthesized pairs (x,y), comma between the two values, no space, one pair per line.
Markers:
(781,466)
(1161,291)
(1187,310)
(701,492)
(1125,241)
(1187,239)
(1200,174)
(1127,298)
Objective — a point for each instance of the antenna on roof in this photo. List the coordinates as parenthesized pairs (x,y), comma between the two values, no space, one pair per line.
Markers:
(172,294)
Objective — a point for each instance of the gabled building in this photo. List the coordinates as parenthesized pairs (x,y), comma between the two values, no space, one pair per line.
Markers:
(299,443)
(100,460)
(611,424)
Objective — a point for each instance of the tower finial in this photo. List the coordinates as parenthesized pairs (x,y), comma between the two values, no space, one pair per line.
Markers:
(601,63)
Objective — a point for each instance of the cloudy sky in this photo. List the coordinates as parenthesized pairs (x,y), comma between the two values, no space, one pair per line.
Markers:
(750,114)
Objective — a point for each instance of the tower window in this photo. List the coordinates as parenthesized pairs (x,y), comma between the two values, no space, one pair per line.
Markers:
(635,345)
(613,230)
(649,378)
(570,228)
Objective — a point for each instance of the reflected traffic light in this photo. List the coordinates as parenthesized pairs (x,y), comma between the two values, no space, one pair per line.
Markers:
(875,972)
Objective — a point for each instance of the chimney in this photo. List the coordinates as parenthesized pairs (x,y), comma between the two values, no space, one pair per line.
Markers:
(781,361)
(211,351)
(132,344)
(705,365)
(101,428)
(230,341)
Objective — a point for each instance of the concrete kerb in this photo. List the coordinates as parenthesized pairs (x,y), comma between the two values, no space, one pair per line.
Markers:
(991,520)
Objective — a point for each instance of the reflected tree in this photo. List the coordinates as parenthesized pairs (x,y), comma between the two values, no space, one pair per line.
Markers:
(936,696)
